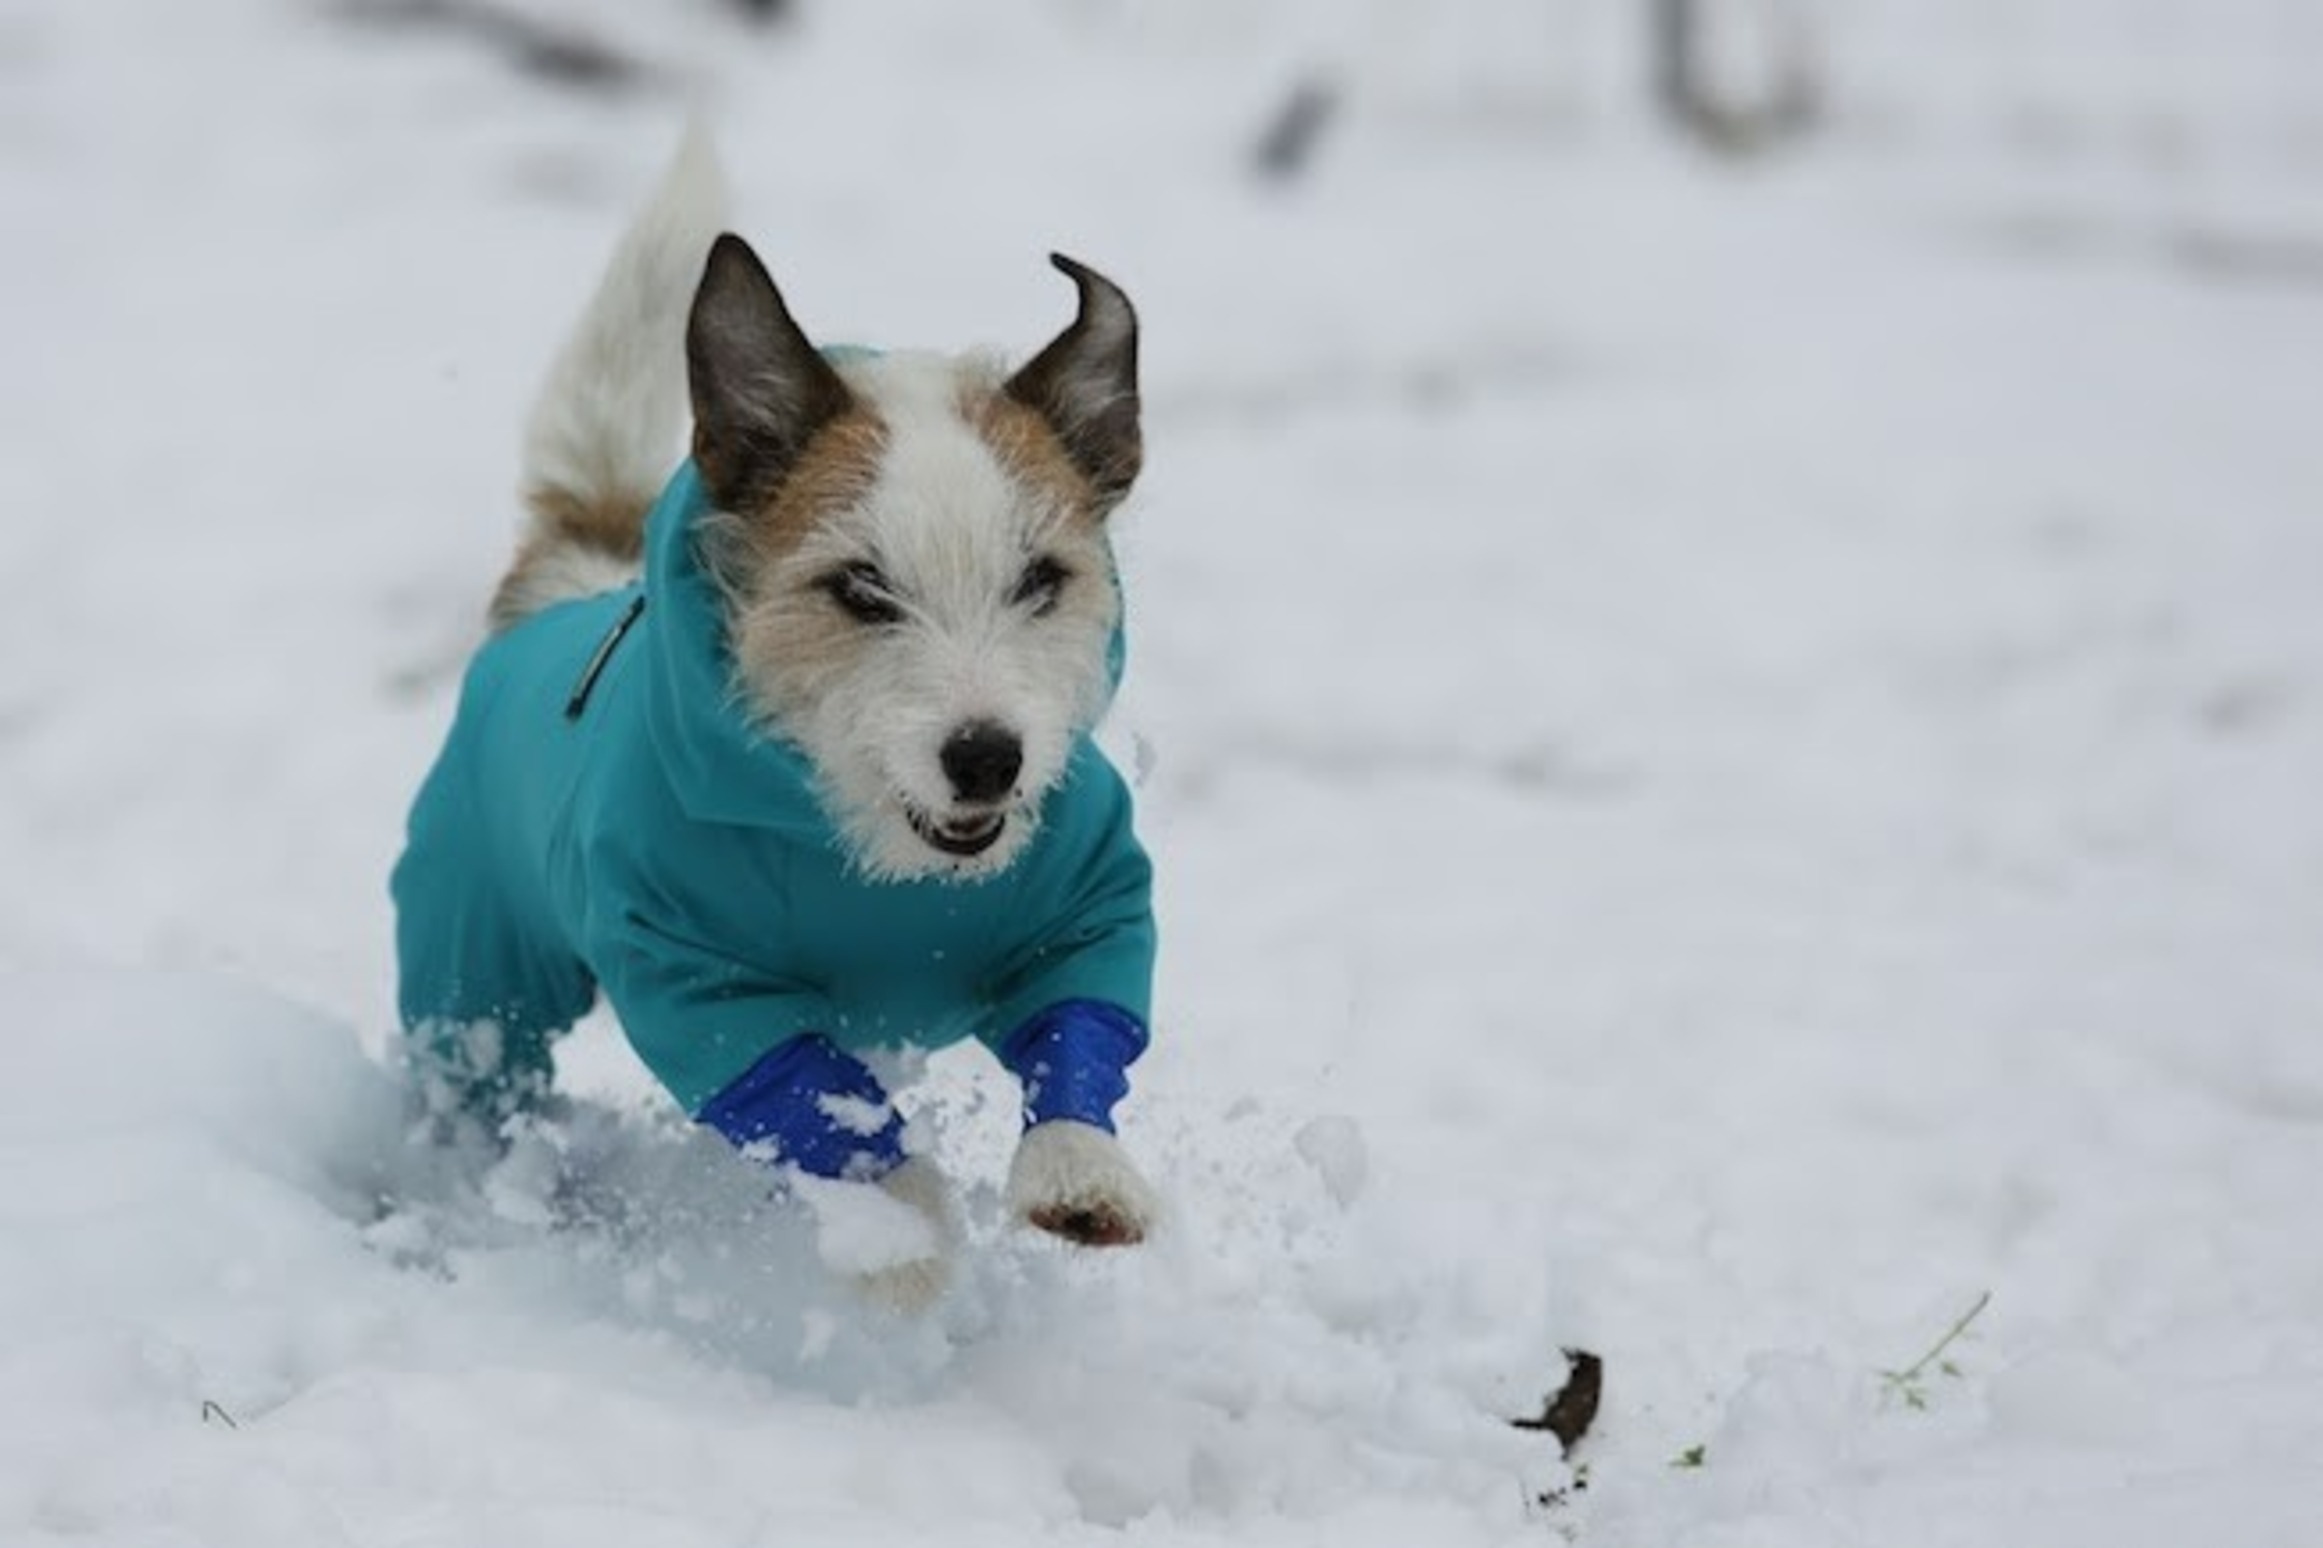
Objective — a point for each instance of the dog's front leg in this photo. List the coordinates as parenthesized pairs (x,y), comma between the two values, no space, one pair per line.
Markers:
(912,1285)
(810,1106)
(1074,1180)
(1071,1178)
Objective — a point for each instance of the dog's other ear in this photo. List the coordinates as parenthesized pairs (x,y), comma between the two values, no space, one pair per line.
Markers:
(760,389)
(1085,384)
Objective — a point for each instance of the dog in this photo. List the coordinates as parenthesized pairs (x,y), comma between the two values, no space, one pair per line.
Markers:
(784,747)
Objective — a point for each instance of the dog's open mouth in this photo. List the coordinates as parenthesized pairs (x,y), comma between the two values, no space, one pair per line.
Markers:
(963,837)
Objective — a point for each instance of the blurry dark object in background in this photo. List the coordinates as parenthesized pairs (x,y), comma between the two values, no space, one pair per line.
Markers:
(1707,101)
(1288,146)
(768,11)
(536,46)
(2276,257)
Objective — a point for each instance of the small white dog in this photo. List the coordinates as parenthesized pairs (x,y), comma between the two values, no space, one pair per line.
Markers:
(787,752)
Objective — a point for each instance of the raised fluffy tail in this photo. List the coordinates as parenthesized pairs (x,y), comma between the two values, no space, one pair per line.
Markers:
(605,430)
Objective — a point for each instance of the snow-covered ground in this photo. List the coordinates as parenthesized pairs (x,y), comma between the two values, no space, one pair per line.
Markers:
(1733,752)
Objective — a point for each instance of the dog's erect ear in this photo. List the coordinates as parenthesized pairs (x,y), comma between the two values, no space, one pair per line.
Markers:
(760,389)
(1085,384)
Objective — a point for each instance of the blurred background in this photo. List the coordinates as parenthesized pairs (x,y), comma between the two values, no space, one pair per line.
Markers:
(1727,615)
(1530,380)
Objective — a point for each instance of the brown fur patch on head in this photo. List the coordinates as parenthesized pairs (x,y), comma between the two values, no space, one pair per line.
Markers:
(1029,450)
(1027,447)
(834,471)
(783,645)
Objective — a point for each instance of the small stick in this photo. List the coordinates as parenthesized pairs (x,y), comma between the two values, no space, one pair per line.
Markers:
(1906,1382)
(1912,1371)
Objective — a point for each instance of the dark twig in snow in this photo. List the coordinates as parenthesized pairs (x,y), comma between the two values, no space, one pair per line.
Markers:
(1906,1382)
(214,1413)
(1573,1407)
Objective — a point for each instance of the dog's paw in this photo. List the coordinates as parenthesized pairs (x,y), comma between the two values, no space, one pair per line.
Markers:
(914,1284)
(1075,1181)
(893,1239)
(907,1289)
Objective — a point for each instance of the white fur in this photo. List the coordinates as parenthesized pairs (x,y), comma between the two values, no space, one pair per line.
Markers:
(608,422)
(952,529)
(1063,1165)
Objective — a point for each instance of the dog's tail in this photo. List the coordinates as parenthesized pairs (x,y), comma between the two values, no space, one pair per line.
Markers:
(605,430)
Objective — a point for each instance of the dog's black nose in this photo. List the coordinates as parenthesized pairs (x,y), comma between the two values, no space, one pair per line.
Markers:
(982,760)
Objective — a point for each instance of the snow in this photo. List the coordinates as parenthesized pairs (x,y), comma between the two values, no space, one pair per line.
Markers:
(1731,751)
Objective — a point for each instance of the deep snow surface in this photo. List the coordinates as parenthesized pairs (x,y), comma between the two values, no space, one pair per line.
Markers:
(1732,753)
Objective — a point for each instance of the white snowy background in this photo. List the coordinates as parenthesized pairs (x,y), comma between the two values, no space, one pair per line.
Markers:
(1735,749)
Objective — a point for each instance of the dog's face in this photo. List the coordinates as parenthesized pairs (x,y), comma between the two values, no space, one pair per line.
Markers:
(913,549)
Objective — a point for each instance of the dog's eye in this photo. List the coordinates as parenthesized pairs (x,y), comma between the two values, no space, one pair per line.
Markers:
(1040,583)
(862,591)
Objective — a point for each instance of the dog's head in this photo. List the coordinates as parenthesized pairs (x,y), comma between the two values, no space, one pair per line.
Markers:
(921,596)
